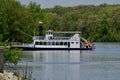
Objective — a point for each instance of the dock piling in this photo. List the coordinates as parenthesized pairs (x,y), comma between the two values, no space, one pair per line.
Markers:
(1,60)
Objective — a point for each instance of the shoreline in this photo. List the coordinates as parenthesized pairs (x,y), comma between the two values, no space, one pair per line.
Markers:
(9,76)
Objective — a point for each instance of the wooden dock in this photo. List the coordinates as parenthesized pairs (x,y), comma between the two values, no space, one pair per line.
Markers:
(16,45)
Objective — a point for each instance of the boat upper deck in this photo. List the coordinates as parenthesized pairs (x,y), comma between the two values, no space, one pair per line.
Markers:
(53,38)
(49,35)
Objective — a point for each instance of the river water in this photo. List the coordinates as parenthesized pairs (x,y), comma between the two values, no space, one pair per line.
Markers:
(103,63)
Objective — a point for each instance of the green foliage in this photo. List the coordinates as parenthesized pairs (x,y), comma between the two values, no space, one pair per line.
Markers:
(5,43)
(12,55)
(19,23)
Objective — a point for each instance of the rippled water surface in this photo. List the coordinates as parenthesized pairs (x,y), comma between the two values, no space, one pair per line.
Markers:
(103,63)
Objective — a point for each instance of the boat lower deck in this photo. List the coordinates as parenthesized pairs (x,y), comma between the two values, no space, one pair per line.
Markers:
(33,48)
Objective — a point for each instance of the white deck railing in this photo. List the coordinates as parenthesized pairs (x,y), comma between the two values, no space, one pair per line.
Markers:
(54,38)
(38,38)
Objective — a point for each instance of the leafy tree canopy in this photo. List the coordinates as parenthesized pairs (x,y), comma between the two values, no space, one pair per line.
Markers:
(19,22)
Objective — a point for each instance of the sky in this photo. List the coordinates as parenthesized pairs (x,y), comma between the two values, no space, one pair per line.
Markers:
(67,3)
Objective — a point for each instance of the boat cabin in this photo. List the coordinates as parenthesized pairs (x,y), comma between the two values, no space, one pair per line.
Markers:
(49,41)
(49,34)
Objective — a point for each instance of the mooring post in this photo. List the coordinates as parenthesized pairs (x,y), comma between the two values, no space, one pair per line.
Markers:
(1,60)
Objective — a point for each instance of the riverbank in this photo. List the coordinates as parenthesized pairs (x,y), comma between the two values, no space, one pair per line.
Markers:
(8,76)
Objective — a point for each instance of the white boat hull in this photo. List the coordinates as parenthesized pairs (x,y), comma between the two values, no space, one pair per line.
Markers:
(38,48)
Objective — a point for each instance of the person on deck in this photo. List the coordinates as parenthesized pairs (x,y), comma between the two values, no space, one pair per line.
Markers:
(40,28)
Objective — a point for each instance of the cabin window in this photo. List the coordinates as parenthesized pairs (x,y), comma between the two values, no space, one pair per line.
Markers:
(53,43)
(61,43)
(68,44)
(65,43)
(44,43)
(36,43)
(48,43)
(50,33)
(40,43)
(72,42)
(57,43)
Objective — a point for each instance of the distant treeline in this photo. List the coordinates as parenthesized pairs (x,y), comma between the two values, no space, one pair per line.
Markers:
(20,22)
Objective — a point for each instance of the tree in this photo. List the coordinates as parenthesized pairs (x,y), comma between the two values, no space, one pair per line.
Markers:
(12,55)
(102,28)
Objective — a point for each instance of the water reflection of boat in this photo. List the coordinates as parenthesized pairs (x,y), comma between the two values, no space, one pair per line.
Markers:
(52,63)
(56,56)
(52,57)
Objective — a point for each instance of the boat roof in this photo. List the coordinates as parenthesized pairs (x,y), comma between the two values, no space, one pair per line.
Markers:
(67,32)
(78,32)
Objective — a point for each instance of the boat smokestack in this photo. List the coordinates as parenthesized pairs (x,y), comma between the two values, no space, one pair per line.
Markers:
(40,26)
